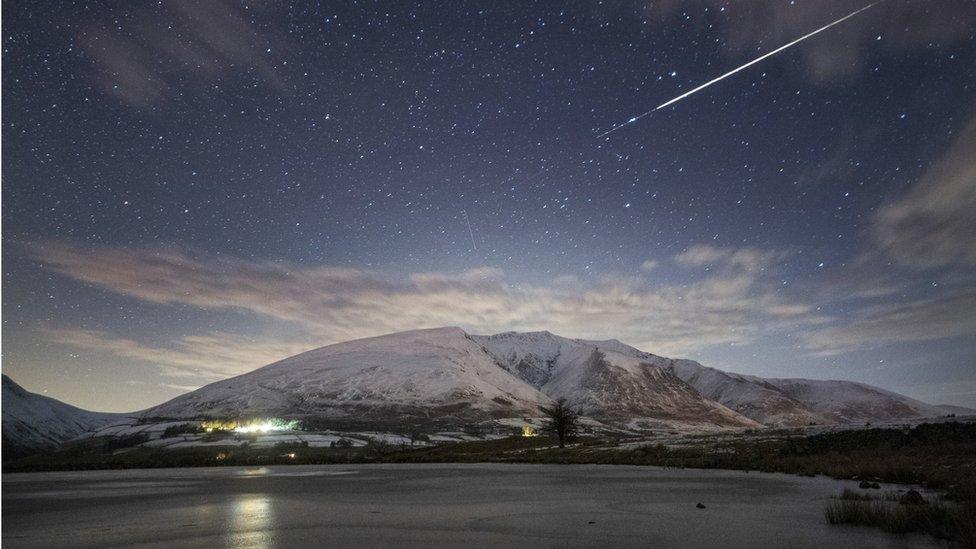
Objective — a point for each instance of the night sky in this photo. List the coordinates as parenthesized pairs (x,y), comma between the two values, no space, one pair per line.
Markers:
(193,190)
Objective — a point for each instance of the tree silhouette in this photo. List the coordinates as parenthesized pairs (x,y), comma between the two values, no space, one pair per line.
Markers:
(561,421)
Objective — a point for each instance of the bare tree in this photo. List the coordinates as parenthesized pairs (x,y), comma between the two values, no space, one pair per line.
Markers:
(561,421)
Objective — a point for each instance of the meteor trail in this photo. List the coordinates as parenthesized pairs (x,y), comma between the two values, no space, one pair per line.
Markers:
(733,71)
(470,232)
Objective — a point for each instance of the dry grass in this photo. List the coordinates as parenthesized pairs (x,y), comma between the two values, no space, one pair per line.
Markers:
(951,521)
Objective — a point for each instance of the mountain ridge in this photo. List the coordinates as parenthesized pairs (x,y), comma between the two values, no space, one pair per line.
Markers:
(618,384)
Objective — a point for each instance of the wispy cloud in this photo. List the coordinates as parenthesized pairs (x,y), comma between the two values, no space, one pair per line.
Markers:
(326,304)
(933,224)
(920,243)
(734,300)
(748,258)
(206,357)
(919,320)
(151,52)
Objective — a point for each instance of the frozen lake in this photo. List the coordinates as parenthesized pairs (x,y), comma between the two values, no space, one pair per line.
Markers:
(424,505)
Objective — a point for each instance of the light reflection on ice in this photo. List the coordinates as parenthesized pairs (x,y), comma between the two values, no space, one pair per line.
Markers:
(256,472)
(251,522)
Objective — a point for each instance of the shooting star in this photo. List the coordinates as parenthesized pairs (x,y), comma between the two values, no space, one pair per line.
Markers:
(733,71)
(470,232)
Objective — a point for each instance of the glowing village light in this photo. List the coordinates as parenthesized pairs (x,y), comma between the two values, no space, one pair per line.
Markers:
(261,427)
(267,426)
(528,431)
(250,427)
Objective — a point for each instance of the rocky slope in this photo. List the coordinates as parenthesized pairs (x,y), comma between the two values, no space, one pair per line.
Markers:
(752,397)
(538,357)
(606,383)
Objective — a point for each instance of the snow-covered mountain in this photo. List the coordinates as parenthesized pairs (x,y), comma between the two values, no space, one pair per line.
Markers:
(435,375)
(32,421)
(445,376)
(797,402)
(850,402)
(752,397)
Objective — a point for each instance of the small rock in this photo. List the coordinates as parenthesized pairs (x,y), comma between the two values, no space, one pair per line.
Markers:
(700,506)
(912,497)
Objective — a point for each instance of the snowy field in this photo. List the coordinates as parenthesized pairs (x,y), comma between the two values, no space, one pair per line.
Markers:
(675,436)
(426,505)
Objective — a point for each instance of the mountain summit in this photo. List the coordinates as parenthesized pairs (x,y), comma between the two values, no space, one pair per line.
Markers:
(428,375)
